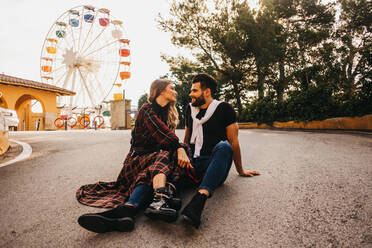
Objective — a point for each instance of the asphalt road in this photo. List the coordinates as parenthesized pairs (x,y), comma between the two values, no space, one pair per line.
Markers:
(315,191)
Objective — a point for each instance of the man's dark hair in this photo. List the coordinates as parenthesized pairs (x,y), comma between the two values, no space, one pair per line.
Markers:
(206,81)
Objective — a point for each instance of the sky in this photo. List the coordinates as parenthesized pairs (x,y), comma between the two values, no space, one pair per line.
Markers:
(24,25)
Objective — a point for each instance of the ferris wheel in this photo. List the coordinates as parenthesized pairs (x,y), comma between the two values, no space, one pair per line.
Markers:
(86,51)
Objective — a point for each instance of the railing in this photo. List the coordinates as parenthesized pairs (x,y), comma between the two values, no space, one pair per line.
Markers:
(81,122)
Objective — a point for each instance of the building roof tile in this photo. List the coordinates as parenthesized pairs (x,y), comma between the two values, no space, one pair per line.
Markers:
(15,81)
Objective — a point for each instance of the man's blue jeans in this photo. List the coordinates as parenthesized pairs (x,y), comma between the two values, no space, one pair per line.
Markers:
(215,167)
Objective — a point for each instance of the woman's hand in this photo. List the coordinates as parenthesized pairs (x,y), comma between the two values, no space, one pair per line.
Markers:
(183,159)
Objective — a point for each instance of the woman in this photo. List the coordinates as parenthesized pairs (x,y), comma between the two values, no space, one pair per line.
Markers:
(152,159)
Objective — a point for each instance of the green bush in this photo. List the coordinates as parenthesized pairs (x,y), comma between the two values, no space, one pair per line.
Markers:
(364,99)
(316,103)
(265,110)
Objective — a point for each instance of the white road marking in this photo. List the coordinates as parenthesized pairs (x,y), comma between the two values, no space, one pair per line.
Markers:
(26,152)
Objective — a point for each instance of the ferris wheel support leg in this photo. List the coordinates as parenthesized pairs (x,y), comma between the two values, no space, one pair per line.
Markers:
(60,77)
(86,88)
(73,86)
(67,78)
(99,87)
(76,99)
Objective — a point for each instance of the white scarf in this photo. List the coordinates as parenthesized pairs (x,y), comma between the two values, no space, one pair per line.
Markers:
(197,125)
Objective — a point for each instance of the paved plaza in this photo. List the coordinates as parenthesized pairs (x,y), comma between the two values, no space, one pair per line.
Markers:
(315,191)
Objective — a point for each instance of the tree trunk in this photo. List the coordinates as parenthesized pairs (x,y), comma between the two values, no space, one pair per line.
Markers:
(349,78)
(260,82)
(237,97)
(282,82)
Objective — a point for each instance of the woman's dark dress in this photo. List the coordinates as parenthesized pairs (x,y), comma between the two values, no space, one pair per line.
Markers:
(153,151)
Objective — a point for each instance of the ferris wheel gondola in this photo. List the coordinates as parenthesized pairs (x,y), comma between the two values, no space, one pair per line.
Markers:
(86,51)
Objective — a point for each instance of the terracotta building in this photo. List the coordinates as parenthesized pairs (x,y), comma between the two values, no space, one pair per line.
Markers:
(18,94)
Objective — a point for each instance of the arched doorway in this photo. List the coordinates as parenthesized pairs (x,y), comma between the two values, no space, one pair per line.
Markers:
(3,103)
(30,111)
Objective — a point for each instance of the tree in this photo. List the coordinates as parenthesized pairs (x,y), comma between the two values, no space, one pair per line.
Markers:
(263,42)
(288,51)
(354,44)
(209,32)
(182,71)
(142,100)
(306,29)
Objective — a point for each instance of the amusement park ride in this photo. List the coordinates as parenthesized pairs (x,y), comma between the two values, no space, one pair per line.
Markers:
(86,51)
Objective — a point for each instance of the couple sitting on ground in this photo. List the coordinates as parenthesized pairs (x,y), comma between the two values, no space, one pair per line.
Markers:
(157,162)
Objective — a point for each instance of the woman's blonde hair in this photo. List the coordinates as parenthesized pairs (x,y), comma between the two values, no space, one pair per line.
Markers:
(156,88)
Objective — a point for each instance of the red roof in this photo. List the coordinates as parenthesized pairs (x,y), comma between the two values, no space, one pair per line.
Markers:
(9,80)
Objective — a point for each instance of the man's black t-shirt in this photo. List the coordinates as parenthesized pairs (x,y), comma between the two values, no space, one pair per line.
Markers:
(214,130)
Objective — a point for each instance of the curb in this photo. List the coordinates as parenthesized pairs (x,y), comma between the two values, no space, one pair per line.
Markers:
(363,123)
(4,142)
(26,152)
(364,133)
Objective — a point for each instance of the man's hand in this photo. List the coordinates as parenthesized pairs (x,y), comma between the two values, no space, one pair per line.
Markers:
(249,173)
(183,159)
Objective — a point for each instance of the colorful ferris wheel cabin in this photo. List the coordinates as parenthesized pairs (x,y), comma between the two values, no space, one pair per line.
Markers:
(124,75)
(89,18)
(104,21)
(52,46)
(117,33)
(46,68)
(124,52)
(74,18)
(60,32)
(47,64)
(74,23)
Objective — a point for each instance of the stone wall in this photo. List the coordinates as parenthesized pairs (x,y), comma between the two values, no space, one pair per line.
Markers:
(341,123)
(120,119)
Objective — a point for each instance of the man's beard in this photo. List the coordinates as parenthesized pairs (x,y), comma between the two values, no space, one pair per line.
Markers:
(199,101)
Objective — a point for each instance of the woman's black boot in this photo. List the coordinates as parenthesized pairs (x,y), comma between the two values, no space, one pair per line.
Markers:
(192,212)
(118,219)
(174,201)
(160,208)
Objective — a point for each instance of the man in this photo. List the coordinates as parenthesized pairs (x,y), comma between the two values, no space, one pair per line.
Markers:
(212,133)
